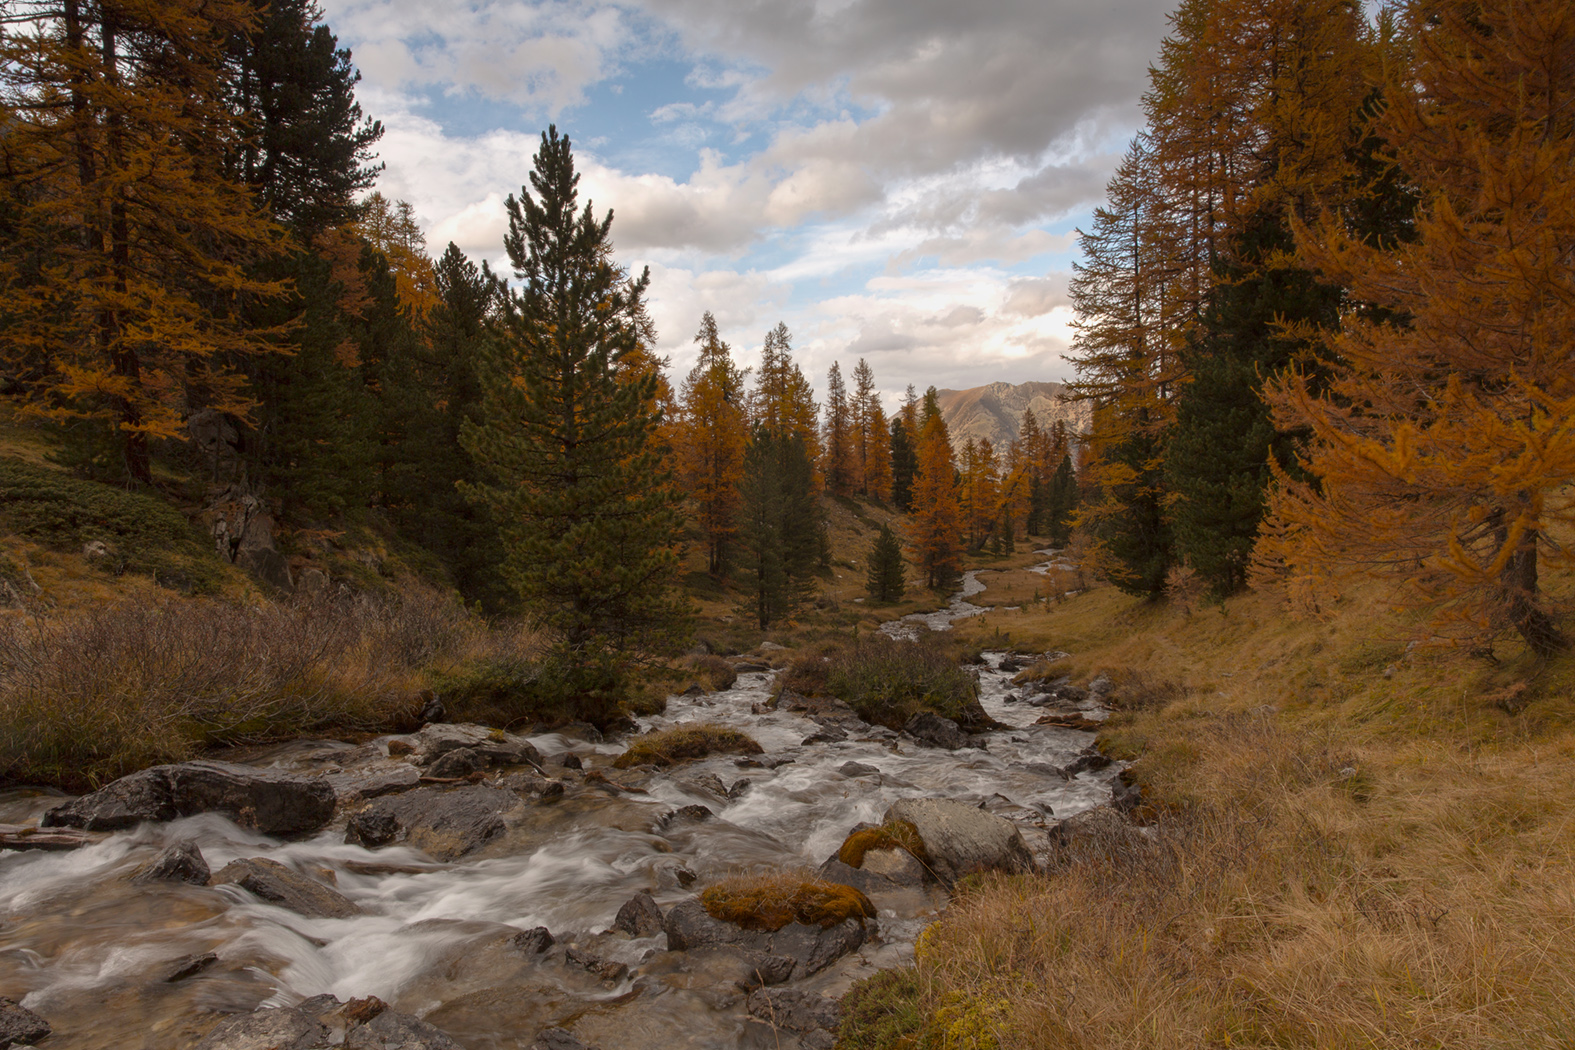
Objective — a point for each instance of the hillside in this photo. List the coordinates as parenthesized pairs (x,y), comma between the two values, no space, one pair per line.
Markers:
(994,411)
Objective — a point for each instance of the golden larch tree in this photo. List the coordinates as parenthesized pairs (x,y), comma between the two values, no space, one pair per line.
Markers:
(937,529)
(710,439)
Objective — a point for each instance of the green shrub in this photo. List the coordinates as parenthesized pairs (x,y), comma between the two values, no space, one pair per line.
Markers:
(887,681)
(884,1011)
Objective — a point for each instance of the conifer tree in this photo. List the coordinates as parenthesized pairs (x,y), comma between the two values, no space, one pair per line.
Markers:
(877,471)
(841,464)
(937,534)
(783,400)
(781,534)
(904,452)
(588,516)
(1061,501)
(886,573)
(865,404)
(710,440)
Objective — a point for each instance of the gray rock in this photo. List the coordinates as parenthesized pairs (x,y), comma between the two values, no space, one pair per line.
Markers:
(268,566)
(695,814)
(268,1029)
(580,731)
(532,942)
(444,822)
(705,783)
(433,710)
(639,917)
(277,884)
(858,769)
(391,1030)
(1087,759)
(812,948)
(762,761)
(606,969)
(358,785)
(960,838)
(818,1040)
(181,862)
(794,1010)
(1126,797)
(460,762)
(269,800)
(188,966)
(570,760)
(20,1026)
(932,730)
(493,747)
(559,1039)
(1099,828)
(532,785)
(826,734)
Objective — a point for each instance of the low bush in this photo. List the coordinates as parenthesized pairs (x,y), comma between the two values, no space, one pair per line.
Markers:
(685,742)
(888,681)
(714,673)
(884,1011)
(770,902)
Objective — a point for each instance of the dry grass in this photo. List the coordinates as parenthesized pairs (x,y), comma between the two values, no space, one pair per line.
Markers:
(86,697)
(682,743)
(770,902)
(712,672)
(896,834)
(1350,847)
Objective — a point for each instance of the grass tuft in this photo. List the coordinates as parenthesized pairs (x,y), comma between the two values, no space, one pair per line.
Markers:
(895,834)
(770,902)
(685,742)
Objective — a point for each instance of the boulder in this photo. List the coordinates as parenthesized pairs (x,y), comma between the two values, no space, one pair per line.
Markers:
(1087,759)
(533,941)
(795,1010)
(492,747)
(188,966)
(20,1026)
(812,948)
(960,838)
(181,862)
(269,800)
(391,1030)
(460,762)
(932,730)
(705,783)
(879,872)
(831,734)
(858,769)
(277,884)
(444,822)
(639,917)
(696,814)
(531,785)
(358,785)
(268,1029)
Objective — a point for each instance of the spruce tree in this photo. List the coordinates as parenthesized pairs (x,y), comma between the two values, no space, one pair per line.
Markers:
(1060,502)
(588,515)
(904,461)
(781,533)
(886,573)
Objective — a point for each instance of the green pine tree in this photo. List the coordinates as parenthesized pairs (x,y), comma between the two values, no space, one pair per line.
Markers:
(886,571)
(904,461)
(781,532)
(589,518)
(1060,500)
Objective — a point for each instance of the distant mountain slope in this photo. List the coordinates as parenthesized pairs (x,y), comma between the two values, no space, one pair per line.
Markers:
(996,410)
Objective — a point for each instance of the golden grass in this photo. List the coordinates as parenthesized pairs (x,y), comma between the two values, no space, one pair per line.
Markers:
(770,902)
(1350,847)
(896,834)
(682,743)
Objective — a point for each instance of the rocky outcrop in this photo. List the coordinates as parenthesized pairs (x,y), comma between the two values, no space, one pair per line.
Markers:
(811,948)
(446,823)
(959,839)
(268,800)
(277,884)
(20,1026)
(181,862)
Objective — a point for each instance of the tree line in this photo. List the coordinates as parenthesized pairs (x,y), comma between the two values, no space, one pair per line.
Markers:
(1325,315)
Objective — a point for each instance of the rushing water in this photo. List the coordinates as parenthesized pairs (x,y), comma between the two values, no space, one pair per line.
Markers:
(88,950)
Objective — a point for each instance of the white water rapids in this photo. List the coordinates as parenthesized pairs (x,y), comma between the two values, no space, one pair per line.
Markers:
(89,951)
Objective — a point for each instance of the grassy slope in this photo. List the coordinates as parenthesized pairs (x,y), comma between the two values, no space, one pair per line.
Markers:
(1352,846)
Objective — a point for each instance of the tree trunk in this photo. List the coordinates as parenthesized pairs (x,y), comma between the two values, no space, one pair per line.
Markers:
(1530,619)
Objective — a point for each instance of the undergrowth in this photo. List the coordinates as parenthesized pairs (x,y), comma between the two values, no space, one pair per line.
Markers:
(889,681)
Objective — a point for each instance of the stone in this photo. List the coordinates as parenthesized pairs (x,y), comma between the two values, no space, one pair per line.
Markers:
(433,709)
(267,566)
(826,735)
(559,1039)
(392,1030)
(181,862)
(267,800)
(706,783)
(695,689)
(20,1026)
(750,666)
(762,761)
(446,823)
(740,788)
(533,941)
(493,747)
(896,866)
(932,730)
(695,814)
(460,762)
(1096,829)
(858,769)
(811,948)
(795,1010)
(606,969)
(960,839)
(639,917)
(580,731)
(189,966)
(532,785)
(277,884)
(358,785)
(1086,760)
(268,1029)
(770,647)
(569,760)
(1074,720)
(1124,796)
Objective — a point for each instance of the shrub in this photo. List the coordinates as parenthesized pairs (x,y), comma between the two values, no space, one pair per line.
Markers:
(884,1011)
(714,672)
(888,681)
(770,902)
(684,742)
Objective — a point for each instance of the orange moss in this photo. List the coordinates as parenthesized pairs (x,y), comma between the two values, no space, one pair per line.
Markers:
(681,743)
(896,834)
(770,902)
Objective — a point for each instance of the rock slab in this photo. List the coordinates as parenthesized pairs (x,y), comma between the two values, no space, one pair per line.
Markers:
(277,884)
(268,1029)
(269,800)
(446,823)
(960,838)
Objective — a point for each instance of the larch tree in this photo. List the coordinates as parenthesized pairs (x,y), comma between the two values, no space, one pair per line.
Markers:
(877,468)
(864,404)
(841,464)
(937,531)
(710,439)
(783,400)
(589,519)
(126,312)
(1444,441)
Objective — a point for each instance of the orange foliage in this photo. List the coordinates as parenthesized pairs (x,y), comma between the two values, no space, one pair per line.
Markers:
(937,517)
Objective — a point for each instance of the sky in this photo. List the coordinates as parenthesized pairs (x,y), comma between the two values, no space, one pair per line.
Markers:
(897,180)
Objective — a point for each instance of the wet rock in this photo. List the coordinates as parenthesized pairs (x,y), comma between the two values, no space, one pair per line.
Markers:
(762,761)
(181,862)
(20,1026)
(740,788)
(391,1030)
(559,1039)
(492,747)
(460,762)
(1087,759)
(570,760)
(706,783)
(831,734)
(277,884)
(358,785)
(797,1011)
(695,814)
(532,942)
(606,969)
(960,839)
(1099,689)
(269,800)
(750,666)
(882,870)
(580,731)
(532,785)
(268,1029)
(639,917)
(932,730)
(444,822)
(811,948)
(1074,720)
(858,769)
(695,689)
(189,966)
(675,876)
